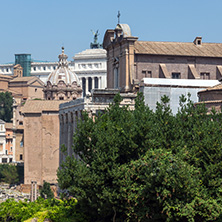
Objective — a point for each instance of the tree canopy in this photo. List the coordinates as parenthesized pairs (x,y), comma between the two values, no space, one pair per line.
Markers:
(6,102)
(144,165)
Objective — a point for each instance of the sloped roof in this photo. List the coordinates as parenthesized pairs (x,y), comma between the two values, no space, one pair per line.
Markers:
(91,53)
(13,92)
(27,80)
(179,49)
(2,121)
(37,106)
(5,76)
(9,125)
(213,88)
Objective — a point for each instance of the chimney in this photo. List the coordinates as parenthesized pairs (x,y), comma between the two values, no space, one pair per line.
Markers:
(198,41)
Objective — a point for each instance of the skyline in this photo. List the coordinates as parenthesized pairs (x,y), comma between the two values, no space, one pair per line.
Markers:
(42,28)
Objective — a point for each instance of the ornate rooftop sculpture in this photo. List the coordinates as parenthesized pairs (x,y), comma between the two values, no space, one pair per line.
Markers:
(62,83)
(95,44)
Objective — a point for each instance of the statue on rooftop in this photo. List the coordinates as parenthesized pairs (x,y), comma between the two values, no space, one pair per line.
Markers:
(95,44)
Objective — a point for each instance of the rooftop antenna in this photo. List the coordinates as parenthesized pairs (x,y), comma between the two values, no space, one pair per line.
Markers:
(118,16)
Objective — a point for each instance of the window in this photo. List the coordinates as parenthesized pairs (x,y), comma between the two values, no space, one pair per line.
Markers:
(44,68)
(116,78)
(147,74)
(11,148)
(4,160)
(35,89)
(54,67)
(10,160)
(34,68)
(20,157)
(6,152)
(175,75)
(7,70)
(21,143)
(20,123)
(61,98)
(205,75)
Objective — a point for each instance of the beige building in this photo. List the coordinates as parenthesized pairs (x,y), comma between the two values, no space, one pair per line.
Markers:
(130,60)
(41,124)
(211,97)
(41,141)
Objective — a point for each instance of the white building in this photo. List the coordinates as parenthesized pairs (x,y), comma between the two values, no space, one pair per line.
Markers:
(89,65)
(154,88)
(3,156)
(7,146)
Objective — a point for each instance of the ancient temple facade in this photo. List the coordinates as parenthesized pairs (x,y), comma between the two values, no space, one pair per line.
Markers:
(62,83)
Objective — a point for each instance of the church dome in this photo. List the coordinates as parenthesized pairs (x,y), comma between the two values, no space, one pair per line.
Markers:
(62,83)
(63,73)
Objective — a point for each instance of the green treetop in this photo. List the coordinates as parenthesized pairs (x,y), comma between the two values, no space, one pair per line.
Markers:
(145,165)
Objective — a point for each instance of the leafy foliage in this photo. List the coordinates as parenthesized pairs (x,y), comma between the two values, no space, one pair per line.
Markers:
(9,173)
(52,209)
(6,102)
(46,191)
(145,165)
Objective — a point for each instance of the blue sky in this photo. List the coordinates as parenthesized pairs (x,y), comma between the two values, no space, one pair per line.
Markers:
(41,27)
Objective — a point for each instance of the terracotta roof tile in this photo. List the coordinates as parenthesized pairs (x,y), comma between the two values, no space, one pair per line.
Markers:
(179,49)
(8,125)
(217,87)
(37,106)
(23,79)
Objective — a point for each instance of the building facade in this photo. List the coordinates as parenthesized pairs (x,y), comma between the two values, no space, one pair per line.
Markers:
(130,60)
(7,145)
(41,141)
(62,83)
(154,88)
(90,67)
(41,124)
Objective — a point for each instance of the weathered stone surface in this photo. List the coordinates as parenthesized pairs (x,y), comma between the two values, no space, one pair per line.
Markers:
(7,192)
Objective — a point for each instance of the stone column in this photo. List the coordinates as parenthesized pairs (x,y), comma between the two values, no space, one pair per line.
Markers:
(34,192)
(100,82)
(80,80)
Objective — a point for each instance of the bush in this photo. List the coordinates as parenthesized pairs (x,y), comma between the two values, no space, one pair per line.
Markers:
(46,191)
(55,210)
(9,173)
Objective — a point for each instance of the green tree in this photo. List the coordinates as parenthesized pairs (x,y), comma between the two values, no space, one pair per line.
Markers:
(6,102)
(9,174)
(142,165)
(46,191)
